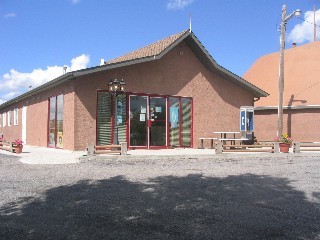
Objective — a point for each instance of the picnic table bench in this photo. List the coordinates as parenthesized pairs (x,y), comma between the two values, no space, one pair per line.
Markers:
(272,148)
(107,149)
(305,146)
(8,146)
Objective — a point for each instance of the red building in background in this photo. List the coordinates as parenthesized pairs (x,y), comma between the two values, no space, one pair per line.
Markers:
(301,93)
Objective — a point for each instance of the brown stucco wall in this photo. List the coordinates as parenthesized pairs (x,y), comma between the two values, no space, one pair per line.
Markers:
(300,124)
(216,101)
(37,117)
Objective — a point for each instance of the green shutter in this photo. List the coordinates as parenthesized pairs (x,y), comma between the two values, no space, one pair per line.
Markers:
(186,122)
(104,118)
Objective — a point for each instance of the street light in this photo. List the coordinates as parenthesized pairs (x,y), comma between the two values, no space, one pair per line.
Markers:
(116,88)
(281,67)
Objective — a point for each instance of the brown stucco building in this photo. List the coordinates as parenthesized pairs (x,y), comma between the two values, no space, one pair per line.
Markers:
(301,93)
(175,93)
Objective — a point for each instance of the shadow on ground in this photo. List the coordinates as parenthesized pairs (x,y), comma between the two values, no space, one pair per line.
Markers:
(191,207)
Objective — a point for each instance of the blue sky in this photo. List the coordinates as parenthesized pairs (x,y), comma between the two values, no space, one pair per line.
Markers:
(38,37)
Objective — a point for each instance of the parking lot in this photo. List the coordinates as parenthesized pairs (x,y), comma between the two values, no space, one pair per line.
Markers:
(230,197)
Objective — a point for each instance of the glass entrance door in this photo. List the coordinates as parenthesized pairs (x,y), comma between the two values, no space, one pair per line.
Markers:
(148,121)
(138,121)
(158,122)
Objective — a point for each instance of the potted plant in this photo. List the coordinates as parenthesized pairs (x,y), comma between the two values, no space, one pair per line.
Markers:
(284,142)
(18,145)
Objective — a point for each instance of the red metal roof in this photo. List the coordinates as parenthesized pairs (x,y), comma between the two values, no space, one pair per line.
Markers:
(301,76)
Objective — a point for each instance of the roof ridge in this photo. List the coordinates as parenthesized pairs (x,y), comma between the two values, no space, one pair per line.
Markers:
(173,35)
(151,49)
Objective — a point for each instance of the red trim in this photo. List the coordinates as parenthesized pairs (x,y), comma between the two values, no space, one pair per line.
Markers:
(48,121)
(147,118)
(168,125)
(191,145)
(168,122)
(180,123)
(127,119)
(158,147)
(112,119)
(55,123)
(97,116)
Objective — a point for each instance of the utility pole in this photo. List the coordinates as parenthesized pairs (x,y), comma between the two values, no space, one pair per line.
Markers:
(281,71)
(284,21)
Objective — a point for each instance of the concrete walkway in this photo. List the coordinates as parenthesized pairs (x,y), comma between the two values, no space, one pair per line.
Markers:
(42,155)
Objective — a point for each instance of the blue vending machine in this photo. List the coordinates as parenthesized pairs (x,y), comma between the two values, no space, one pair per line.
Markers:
(246,122)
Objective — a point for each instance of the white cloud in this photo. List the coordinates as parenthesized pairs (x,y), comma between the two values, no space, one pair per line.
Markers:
(178,4)
(9,15)
(304,32)
(14,83)
(80,62)
(11,94)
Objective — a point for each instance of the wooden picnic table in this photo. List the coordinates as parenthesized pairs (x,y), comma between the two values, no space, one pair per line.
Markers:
(224,134)
(224,137)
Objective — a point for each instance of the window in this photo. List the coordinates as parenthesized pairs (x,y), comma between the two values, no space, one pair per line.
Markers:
(9,118)
(180,121)
(107,131)
(15,116)
(4,119)
(55,138)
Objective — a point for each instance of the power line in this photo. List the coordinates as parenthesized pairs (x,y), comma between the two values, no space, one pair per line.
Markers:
(309,22)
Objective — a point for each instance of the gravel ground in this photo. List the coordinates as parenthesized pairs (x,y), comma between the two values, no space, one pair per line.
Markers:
(178,198)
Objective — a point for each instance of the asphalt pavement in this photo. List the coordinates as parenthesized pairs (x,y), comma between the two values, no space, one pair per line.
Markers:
(183,196)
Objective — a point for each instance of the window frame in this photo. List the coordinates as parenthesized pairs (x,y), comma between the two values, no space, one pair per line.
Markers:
(9,118)
(55,107)
(4,119)
(15,117)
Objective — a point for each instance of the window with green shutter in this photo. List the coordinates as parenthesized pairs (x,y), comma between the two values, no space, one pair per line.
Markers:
(106,123)
(104,120)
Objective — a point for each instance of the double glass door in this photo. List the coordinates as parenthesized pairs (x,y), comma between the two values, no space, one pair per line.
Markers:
(148,121)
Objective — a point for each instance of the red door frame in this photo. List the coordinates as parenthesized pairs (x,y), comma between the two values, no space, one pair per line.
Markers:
(167,126)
